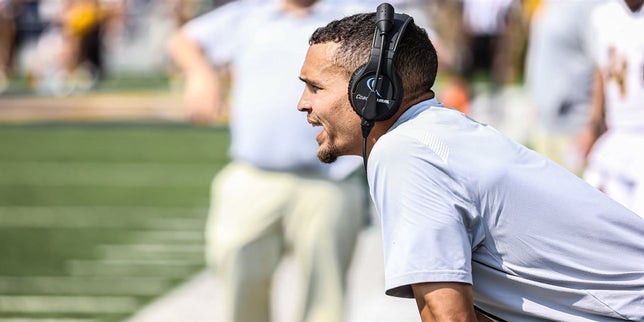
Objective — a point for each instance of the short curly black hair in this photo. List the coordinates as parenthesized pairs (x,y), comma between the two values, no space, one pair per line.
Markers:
(416,61)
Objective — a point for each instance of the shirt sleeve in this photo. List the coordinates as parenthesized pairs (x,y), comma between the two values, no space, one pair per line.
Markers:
(216,31)
(423,215)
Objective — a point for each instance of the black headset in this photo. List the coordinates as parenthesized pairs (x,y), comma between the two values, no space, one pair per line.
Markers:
(375,89)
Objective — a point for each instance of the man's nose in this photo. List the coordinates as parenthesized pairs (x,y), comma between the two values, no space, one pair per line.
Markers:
(303,105)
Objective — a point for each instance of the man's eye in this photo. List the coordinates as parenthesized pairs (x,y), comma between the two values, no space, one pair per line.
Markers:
(314,88)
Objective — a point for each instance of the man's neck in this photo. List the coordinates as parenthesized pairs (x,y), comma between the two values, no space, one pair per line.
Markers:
(298,8)
(634,5)
(380,128)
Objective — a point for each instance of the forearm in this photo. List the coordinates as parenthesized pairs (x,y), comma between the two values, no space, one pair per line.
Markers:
(596,124)
(438,302)
(597,119)
(202,98)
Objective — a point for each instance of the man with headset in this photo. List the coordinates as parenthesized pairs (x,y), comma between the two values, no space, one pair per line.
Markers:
(474,224)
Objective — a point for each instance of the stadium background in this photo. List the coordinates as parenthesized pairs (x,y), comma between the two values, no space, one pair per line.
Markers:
(104,192)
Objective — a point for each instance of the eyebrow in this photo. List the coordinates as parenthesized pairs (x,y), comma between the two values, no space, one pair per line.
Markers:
(309,82)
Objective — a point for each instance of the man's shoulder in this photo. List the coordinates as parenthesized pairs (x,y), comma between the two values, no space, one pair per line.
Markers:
(415,138)
(435,120)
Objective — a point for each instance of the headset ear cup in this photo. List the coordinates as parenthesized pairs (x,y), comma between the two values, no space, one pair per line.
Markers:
(392,91)
(389,94)
(355,77)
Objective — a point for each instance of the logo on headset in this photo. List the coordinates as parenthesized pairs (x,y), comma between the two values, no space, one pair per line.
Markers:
(371,83)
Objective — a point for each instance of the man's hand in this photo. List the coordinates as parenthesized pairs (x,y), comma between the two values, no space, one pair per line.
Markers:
(201,99)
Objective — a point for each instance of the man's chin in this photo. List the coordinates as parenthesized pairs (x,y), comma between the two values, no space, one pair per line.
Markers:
(326,158)
(328,155)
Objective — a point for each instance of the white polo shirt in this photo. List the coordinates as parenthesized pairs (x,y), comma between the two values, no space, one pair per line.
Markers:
(460,202)
(266,48)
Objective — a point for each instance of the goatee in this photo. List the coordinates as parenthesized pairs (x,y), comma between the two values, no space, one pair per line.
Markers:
(329,155)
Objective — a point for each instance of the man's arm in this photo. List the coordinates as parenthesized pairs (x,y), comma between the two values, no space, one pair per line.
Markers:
(446,302)
(202,95)
(597,123)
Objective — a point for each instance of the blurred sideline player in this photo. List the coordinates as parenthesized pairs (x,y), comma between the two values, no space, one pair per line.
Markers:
(559,71)
(614,138)
(274,196)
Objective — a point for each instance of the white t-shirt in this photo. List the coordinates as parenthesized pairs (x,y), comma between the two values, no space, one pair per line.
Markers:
(616,162)
(559,68)
(266,48)
(618,49)
(460,202)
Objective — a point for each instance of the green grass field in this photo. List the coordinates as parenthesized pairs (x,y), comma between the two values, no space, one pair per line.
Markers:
(97,220)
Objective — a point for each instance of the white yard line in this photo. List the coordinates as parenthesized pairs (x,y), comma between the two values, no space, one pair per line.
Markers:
(158,236)
(68,304)
(180,252)
(153,218)
(146,268)
(84,285)
(22,319)
(103,174)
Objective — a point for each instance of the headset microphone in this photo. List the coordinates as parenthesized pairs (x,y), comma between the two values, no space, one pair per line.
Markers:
(384,23)
(385,17)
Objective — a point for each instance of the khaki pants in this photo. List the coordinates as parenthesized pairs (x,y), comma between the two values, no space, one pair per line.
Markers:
(256,216)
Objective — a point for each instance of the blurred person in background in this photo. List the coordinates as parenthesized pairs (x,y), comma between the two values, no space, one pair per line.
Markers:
(613,139)
(454,90)
(20,27)
(452,87)
(486,40)
(7,41)
(183,10)
(69,55)
(82,24)
(484,26)
(275,196)
(559,72)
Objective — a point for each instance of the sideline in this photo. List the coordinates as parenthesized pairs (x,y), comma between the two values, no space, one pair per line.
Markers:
(196,299)
(95,106)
